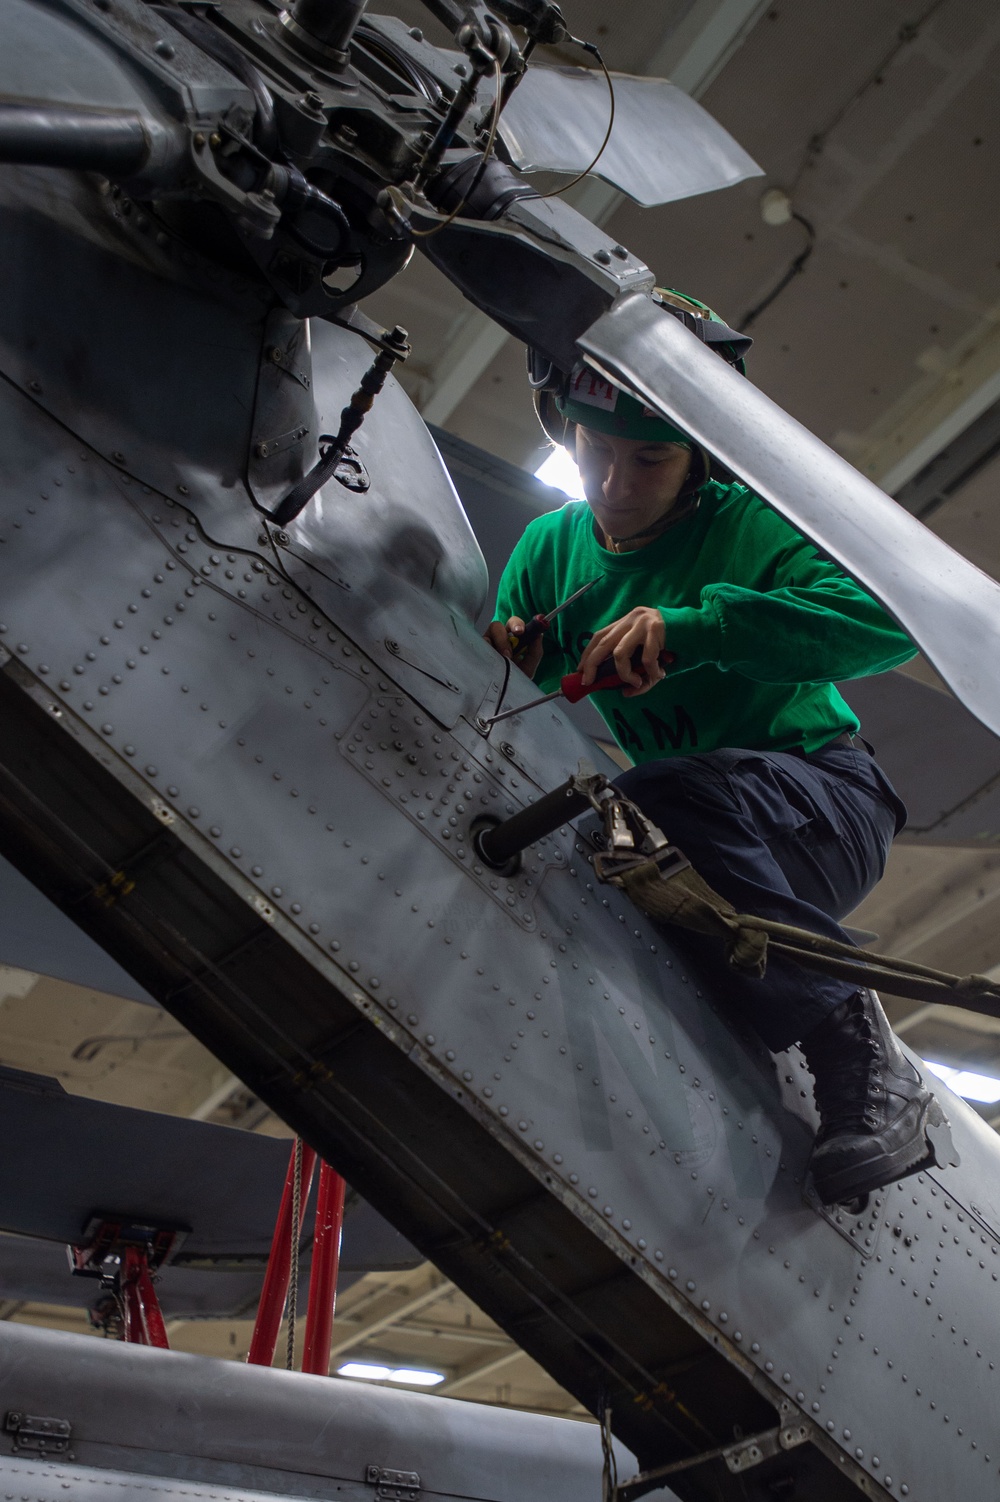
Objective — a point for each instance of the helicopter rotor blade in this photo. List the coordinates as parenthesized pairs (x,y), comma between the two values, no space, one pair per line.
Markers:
(949,608)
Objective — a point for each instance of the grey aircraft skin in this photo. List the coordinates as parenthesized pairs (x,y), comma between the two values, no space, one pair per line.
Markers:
(246,759)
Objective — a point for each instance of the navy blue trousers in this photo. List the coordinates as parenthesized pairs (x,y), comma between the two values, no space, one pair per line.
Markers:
(801,839)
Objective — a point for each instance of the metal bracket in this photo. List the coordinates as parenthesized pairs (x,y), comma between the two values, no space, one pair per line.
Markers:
(748,1453)
(40,1436)
(743,1455)
(282,358)
(393,1486)
(351,473)
(265,447)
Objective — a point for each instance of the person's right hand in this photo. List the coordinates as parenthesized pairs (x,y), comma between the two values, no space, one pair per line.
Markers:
(498,635)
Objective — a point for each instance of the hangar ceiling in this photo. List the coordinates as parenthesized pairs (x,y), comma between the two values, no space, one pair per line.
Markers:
(879,121)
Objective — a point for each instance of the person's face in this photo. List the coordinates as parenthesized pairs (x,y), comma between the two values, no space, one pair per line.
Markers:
(629,483)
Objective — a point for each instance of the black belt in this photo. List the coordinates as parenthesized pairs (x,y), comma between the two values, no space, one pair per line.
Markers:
(855,742)
(852,742)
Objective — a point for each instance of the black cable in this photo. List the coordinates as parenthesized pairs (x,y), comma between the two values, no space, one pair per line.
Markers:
(794,270)
(507,664)
(907,33)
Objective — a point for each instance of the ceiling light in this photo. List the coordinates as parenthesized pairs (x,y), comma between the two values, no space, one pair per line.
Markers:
(775,207)
(409,1376)
(366,1370)
(414,1377)
(964,1082)
(559,470)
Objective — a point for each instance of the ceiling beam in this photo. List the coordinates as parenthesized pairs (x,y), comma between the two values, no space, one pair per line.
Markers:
(394,1316)
(216,1097)
(692,56)
(481,1369)
(948,399)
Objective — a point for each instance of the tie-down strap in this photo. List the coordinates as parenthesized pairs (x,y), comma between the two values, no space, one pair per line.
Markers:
(658,878)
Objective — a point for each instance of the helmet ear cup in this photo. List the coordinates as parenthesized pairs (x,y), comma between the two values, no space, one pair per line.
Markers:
(554,424)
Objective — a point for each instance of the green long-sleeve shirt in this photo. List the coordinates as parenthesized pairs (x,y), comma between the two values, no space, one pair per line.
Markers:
(761,623)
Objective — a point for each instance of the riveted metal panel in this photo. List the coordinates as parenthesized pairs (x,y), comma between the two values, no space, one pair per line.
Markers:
(524,1074)
(146,1421)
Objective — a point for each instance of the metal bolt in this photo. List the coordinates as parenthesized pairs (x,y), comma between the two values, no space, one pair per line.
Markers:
(603,257)
(199,140)
(164,48)
(391,645)
(313,101)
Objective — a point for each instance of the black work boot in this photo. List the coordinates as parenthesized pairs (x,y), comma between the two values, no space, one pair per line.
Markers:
(878,1121)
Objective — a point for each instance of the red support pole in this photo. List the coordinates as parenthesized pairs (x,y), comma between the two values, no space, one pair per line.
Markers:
(132,1325)
(143,1319)
(323,1275)
(274,1293)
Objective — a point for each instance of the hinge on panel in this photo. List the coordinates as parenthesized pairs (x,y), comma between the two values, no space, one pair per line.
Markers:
(40,1436)
(393,1486)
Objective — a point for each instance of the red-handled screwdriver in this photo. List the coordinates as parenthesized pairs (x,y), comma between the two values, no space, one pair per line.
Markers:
(539,624)
(573,689)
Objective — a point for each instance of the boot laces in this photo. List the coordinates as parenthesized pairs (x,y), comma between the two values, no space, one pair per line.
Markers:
(848,1069)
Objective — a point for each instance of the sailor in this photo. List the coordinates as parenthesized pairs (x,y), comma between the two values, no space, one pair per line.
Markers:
(743,750)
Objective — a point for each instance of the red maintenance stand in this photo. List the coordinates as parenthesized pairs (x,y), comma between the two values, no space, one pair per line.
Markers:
(281,1279)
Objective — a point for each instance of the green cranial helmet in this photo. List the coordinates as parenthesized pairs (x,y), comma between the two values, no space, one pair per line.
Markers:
(584,397)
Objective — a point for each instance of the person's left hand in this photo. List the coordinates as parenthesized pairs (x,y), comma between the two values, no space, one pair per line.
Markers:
(643,629)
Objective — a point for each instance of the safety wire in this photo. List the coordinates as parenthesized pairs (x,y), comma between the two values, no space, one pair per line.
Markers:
(293,1268)
(425,234)
(594,51)
(498,104)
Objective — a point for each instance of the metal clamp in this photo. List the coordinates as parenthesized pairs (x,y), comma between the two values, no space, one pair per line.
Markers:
(630,839)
